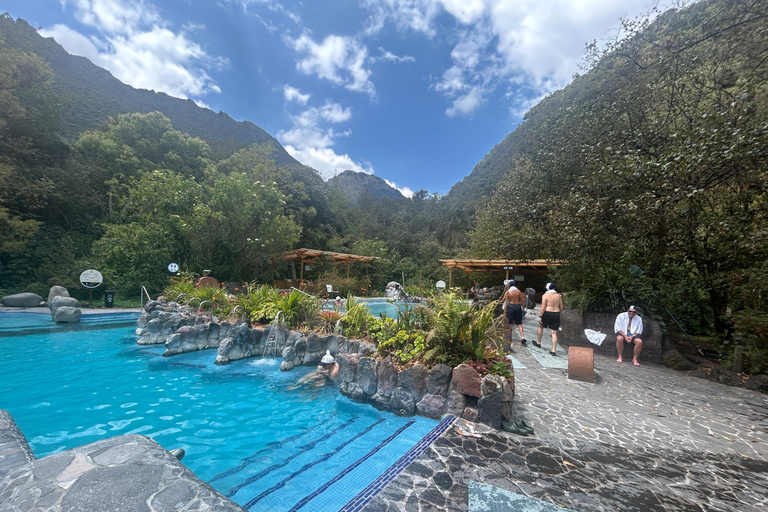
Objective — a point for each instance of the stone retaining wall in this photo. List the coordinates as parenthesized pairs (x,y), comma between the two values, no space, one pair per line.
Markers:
(574,323)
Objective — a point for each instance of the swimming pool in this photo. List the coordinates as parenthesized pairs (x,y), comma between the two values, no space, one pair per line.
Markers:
(376,306)
(263,446)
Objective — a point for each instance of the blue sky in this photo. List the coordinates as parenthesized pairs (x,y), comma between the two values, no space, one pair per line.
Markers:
(414,91)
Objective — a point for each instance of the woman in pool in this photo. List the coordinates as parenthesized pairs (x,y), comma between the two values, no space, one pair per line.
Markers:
(328,366)
(327,372)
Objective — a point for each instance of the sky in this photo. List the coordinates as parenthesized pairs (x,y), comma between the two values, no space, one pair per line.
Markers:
(413,91)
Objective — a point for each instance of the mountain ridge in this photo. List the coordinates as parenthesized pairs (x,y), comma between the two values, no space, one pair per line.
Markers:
(353,186)
(91,95)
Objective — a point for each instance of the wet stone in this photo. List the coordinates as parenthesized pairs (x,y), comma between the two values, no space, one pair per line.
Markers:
(443,480)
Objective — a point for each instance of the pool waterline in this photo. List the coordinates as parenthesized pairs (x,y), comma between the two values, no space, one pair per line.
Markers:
(252,448)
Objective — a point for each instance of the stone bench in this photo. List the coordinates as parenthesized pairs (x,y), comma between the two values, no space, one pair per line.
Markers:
(574,323)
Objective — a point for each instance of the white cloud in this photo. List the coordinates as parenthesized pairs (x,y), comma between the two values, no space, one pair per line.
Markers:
(407,192)
(138,47)
(534,44)
(74,42)
(114,16)
(293,94)
(326,161)
(309,140)
(387,55)
(467,103)
(337,58)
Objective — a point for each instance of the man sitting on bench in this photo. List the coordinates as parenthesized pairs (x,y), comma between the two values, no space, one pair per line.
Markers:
(629,327)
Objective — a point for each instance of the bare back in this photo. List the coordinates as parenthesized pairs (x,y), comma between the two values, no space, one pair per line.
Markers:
(551,302)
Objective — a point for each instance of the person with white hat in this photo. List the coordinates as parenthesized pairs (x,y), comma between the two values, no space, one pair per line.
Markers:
(514,300)
(628,328)
(329,366)
(549,316)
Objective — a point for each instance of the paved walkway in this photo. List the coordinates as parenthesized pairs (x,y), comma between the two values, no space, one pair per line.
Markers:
(640,439)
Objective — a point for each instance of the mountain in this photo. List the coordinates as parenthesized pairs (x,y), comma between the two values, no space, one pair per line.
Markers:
(697,31)
(354,186)
(89,95)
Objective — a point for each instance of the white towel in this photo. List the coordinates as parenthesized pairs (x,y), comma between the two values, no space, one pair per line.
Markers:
(595,337)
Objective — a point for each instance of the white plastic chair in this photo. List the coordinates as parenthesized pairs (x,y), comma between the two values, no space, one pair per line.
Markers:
(330,290)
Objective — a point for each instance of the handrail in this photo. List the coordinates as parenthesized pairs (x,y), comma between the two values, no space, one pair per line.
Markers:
(143,292)
(302,291)
(201,310)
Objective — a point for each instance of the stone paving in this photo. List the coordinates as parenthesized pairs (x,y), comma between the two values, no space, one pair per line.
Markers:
(641,438)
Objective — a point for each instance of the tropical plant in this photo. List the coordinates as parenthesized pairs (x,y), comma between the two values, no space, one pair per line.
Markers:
(297,308)
(328,320)
(357,318)
(258,302)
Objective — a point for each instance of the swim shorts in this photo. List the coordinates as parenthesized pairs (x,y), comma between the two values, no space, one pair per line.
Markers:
(514,314)
(551,320)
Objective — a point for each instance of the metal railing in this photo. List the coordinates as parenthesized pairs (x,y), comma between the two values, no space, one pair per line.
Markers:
(142,293)
(301,291)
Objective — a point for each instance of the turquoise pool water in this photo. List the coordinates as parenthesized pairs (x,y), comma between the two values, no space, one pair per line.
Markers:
(382,306)
(265,447)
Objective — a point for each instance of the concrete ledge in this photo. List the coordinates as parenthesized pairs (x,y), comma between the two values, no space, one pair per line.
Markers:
(125,473)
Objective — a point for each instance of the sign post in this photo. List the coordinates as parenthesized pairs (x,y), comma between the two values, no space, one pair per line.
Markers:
(91,279)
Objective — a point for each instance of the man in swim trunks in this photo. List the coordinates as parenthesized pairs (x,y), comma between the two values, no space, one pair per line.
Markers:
(515,300)
(549,316)
(628,328)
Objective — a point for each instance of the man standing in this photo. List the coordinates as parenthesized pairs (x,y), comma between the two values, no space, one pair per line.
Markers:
(629,327)
(515,300)
(549,316)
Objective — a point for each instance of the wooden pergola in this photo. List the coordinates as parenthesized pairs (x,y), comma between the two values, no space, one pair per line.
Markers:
(307,256)
(469,266)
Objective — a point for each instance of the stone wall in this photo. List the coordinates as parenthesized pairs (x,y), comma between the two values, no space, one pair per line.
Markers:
(574,323)
(431,393)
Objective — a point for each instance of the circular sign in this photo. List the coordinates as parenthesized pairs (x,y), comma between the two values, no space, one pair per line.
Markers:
(440,285)
(91,278)
(173,268)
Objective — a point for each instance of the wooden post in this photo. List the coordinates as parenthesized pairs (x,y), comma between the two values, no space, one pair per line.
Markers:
(450,277)
(347,270)
(301,272)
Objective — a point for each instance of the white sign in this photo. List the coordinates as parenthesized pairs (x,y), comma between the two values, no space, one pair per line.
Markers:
(440,285)
(173,268)
(91,278)
(519,278)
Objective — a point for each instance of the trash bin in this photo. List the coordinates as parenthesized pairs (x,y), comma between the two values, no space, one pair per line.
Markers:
(109,298)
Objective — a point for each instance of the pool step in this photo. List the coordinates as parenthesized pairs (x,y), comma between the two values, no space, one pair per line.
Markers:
(322,472)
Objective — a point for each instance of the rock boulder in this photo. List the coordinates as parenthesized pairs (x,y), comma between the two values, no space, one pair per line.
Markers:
(66,314)
(22,300)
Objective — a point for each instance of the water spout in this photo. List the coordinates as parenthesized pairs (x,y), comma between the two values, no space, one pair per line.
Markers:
(271,343)
(242,315)
(202,310)
(339,329)
(179,296)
